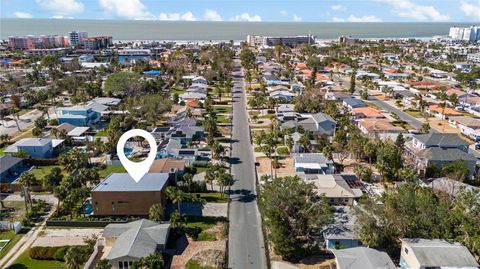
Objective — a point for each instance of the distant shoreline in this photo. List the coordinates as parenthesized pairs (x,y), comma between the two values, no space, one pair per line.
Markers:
(184,31)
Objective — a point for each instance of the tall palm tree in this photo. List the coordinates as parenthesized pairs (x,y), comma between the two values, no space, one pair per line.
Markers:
(175,195)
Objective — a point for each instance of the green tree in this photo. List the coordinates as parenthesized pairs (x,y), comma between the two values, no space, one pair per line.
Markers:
(124,84)
(53,178)
(389,160)
(155,213)
(293,211)
(75,257)
(103,264)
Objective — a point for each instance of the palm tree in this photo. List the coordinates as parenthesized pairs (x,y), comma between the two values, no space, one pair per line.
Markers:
(155,213)
(27,180)
(217,150)
(14,111)
(224,179)
(74,258)
(175,195)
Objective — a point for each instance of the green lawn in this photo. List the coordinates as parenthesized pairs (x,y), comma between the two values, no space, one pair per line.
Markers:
(222,109)
(213,197)
(177,91)
(197,228)
(101,133)
(41,171)
(10,235)
(24,261)
(222,119)
(111,169)
(193,264)
(1,151)
(414,113)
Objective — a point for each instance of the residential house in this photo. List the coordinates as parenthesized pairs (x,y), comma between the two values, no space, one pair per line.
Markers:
(79,115)
(450,186)
(10,168)
(438,149)
(366,112)
(174,167)
(352,103)
(442,112)
(120,195)
(381,128)
(341,236)
(185,134)
(174,148)
(468,126)
(319,123)
(362,258)
(284,95)
(193,95)
(417,253)
(312,163)
(340,189)
(129,242)
(161,133)
(36,147)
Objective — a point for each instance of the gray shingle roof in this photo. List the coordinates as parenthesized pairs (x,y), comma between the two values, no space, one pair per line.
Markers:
(7,162)
(310,158)
(441,140)
(362,258)
(445,154)
(124,182)
(436,253)
(136,239)
(354,102)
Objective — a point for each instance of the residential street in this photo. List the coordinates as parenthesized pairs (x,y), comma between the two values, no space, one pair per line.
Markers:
(246,244)
(383,105)
(26,121)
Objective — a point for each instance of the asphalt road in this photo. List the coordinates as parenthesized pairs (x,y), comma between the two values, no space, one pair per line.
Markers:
(25,122)
(417,124)
(245,244)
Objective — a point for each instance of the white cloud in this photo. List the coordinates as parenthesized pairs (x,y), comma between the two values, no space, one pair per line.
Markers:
(129,9)
(187,16)
(246,17)
(61,7)
(337,19)
(370,18)
(283,13)
(410,10)
(61,17)
(353,18)
(212,15)
(296,18)
(472,10)
(22,15)
(338,8)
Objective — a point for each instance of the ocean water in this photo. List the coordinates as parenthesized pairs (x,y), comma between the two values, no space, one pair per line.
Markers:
(181,30)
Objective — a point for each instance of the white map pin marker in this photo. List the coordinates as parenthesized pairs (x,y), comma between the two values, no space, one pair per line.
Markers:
(137,169)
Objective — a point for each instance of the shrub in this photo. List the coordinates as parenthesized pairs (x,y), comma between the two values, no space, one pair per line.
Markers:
(60,254)
(282,151)
(43,253)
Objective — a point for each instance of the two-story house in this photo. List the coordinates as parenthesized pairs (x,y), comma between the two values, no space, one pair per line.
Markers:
(36,147)
(319,123)
(438,149)
(78,115)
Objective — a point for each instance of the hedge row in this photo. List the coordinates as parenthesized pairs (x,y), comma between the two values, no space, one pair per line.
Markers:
(49,253)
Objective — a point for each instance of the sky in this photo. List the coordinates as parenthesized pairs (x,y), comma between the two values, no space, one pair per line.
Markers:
(248,10)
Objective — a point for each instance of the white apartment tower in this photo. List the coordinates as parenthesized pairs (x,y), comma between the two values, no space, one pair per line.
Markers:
(471,33)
